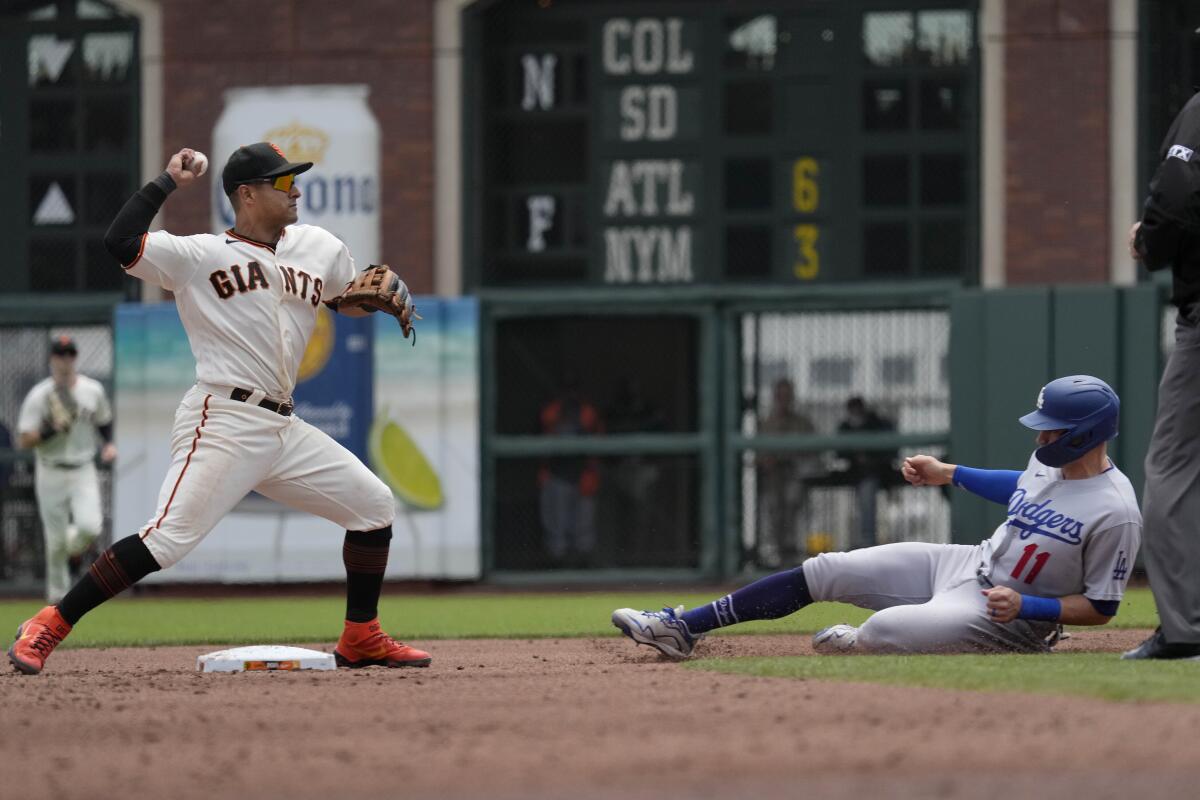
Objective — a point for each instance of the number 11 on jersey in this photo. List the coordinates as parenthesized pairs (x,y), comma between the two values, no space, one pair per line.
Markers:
(1039,561)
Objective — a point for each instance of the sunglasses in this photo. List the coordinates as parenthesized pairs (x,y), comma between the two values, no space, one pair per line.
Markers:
(283,183)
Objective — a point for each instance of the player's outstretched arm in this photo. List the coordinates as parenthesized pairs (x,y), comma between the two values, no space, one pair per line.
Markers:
(996,485)
(123,240)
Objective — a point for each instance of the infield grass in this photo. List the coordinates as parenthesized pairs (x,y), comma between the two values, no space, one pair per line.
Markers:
(149,621)
(1101,675)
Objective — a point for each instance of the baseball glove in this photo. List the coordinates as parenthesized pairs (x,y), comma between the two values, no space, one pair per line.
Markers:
(377,288)
(62,410)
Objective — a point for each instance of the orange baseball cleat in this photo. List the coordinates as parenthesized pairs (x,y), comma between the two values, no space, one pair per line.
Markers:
(36,639)
(364,644)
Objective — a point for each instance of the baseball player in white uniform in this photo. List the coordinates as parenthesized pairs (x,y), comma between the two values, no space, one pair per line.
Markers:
(1062,555)
(248,299)
(60,419)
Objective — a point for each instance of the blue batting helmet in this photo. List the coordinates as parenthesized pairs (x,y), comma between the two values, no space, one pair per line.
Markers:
(1085,407)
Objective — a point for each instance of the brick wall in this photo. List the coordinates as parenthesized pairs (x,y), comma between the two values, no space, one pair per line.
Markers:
(1057,145)
(213,45)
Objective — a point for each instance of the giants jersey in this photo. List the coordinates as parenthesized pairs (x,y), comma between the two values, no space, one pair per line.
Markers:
(248,308)
(78,444)
(1066,537)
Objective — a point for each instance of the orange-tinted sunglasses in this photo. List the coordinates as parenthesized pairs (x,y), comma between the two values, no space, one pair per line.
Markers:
(283,183)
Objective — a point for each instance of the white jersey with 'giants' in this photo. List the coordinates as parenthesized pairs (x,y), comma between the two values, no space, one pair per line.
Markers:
(1066,537)
(248,308)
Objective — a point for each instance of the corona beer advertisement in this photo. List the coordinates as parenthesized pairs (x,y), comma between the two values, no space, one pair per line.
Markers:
(330,126)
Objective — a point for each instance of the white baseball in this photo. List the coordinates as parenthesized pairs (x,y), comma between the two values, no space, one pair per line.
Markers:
(198,164)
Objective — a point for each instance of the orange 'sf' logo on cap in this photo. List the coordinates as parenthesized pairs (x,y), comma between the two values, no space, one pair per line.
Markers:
(275,147)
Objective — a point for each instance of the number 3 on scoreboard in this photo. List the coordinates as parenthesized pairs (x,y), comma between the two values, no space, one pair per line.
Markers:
(808,261)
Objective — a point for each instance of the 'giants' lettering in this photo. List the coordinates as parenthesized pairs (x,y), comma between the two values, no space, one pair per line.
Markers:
(300,288)
(254,279)
(239,279)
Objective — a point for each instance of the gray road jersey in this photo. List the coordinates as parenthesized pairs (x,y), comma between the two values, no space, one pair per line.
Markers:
(1066,537)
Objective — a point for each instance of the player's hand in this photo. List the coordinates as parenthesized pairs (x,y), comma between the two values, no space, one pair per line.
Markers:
(1133,251)
(108,453)
(1003,603)
(177,168)
(922,470)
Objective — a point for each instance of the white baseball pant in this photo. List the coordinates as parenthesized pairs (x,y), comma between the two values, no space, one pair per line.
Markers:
(69,505)
(222,449)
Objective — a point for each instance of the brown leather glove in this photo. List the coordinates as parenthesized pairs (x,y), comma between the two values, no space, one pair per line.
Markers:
(377,288)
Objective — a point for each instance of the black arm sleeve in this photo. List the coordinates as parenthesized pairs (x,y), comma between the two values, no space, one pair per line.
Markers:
(123,240)
(105,432)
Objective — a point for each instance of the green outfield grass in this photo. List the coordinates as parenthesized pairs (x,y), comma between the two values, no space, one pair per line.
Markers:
(1099,675)
(151,621)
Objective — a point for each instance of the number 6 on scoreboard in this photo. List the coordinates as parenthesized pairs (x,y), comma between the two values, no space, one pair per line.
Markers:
(806,192)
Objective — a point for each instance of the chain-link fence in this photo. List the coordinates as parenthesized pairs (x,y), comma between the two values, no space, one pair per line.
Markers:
(814,379)
(24,356)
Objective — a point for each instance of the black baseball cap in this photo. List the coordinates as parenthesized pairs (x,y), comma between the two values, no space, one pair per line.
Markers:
(259,160)
(63,346)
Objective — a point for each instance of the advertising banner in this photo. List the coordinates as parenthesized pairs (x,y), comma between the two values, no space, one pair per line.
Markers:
(334,385)
(422,441)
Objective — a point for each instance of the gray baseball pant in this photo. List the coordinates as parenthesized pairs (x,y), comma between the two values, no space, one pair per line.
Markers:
(1171,499)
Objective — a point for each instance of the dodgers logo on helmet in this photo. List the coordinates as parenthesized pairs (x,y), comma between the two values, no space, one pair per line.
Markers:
(1085,408)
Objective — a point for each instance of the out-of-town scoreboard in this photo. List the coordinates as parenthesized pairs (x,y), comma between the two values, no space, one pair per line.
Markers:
(708,142)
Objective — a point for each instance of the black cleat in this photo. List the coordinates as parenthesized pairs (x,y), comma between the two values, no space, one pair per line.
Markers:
(1158,647)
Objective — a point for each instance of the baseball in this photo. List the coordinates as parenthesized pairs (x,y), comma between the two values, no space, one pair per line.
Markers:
(198,164)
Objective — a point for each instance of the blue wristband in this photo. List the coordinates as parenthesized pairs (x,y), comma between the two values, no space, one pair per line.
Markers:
(1043,608)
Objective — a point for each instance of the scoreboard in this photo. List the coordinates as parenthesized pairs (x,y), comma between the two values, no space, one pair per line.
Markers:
(710,142)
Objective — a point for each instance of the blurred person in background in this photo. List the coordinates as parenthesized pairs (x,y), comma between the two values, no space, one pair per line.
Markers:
(60,419)
(568,484)
(6,444)
(632,486)
(868,468)
(782,487)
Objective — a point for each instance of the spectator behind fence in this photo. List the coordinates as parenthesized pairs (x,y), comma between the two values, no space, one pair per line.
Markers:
(568,484)
(632,487)
(782,480)
(868,469)
(6,467)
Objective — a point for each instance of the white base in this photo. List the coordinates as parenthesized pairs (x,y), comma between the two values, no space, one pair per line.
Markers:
(264,657)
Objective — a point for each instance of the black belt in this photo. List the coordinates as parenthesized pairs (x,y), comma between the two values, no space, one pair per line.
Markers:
(242,395)
(63,465)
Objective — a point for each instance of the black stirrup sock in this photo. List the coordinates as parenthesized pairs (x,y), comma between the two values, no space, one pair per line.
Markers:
(365,554)
(117,568)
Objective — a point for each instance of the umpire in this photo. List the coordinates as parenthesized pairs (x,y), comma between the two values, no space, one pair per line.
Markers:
(1168,236)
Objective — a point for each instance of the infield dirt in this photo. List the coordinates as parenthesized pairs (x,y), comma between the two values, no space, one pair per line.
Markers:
(567,718)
